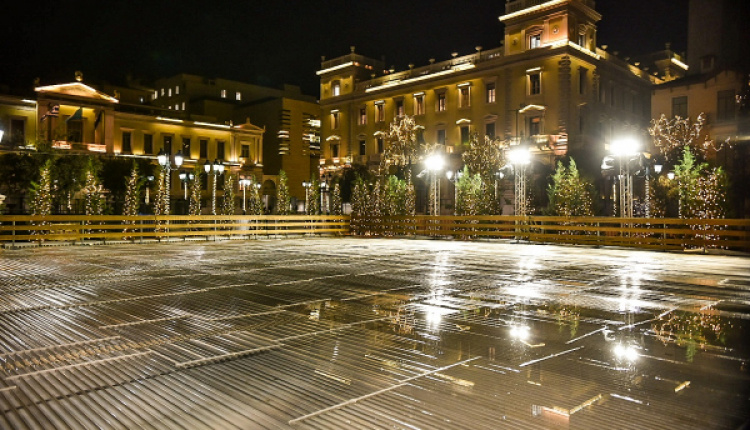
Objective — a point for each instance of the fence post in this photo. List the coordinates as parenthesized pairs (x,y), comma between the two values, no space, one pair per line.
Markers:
(14,234)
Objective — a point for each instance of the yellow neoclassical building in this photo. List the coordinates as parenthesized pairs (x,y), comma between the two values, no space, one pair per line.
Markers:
(548,86)
(78,118)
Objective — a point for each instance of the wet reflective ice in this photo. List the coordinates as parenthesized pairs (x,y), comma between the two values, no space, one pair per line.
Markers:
(372,333)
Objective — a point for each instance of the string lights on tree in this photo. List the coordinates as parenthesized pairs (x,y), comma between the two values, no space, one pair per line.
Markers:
(195,192)
(283,200)
(569,194)
(41,195)
(485,157)
(228,199)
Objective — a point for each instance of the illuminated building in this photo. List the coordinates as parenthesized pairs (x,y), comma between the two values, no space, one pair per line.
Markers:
(292,139)
(76,117)
(548,85)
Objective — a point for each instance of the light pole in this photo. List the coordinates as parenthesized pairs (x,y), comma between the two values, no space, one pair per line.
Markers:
(149,179)
(244,183)
(520,157)
(217,168)
(166,163)
(306,185)
(186,177)
(625,148)
(323,200)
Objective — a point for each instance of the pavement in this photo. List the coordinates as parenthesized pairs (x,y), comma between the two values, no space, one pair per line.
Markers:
(348,333)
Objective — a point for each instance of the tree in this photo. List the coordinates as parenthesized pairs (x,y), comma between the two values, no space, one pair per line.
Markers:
(195,191)
(485,158)
(468,193)
(312,205)
(69,176)
(162,194)
(227,206)
(569,194)
(336,203)
(401,141)
(93,193)
(41,192)
(702,191)
(132,193)
(283,200)
(673,136)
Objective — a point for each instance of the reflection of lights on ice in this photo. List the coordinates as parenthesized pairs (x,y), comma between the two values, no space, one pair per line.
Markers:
(520,332)
(525,291)
(626,352)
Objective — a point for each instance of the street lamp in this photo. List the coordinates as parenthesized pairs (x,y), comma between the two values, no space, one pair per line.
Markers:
(323,195)
(306,185)
(149,179)
(166,163)
(435,163)
(625,148)
(186,177)
(519,158)
(244,184)
(217,169)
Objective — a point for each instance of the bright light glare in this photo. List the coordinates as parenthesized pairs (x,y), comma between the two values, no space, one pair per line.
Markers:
(624,146)
(519,156)
(626,352)
(434,162)
(520,332)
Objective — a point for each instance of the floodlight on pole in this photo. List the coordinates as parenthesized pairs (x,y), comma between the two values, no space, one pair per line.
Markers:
(435,163)
(625,148)
(519,158)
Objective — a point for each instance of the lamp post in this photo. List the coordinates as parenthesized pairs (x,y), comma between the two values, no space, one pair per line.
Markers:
(217,168)
(149,179)
(435,164)
(186,177)
(306,185)
(520,157)
(657,170)
(166,163)
(323,200)
(244,183)
(625,148)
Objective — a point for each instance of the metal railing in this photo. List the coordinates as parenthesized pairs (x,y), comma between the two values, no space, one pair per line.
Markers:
(81,228)
(648,233)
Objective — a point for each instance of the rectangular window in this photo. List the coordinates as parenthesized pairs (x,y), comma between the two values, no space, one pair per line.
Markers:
(223,94)
(535,126)
(400,107)
(419,104)
(204,181)
(362,147)
(441,102)
(336,88)
(167,145)
(362,116)
(535,83)
(186,147)
(582,40)
(725,105)
(335,150)
(238,96)
(75,130)
(379,112)
(220,147)
(489,130)
(177,90)
(148,144)
(17,132)
(126,146)
(491,92)
(335,120)
(441,137)
(680,106)
(464,97)
(535,41)
(169,92)
(464,134)
(381,146)
(203,148)
(245,151)
(582,73)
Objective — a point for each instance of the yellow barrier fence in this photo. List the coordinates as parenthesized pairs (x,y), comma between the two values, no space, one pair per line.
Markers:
(649,233)
(80,228)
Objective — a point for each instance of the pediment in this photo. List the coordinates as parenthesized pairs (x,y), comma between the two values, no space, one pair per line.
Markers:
(76,89)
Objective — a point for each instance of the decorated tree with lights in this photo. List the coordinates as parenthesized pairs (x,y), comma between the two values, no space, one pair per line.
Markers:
(702,190)
(485,157)
(94,194)
(227,202)
(160,199)
(569,194)
(336,202)
(195,192)
(401,141)
(673,136)
(41,195)
(255,206)
(283,200)
(468,193)
(312,205)
(132,195)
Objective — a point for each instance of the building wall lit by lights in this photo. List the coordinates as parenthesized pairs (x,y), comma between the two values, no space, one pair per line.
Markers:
(291,143)
(77,118)
(548,86)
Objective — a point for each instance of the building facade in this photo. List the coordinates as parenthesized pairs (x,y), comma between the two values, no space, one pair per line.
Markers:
(547,86)
(76,118)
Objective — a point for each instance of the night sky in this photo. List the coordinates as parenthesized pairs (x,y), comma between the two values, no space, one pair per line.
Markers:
(275,42)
